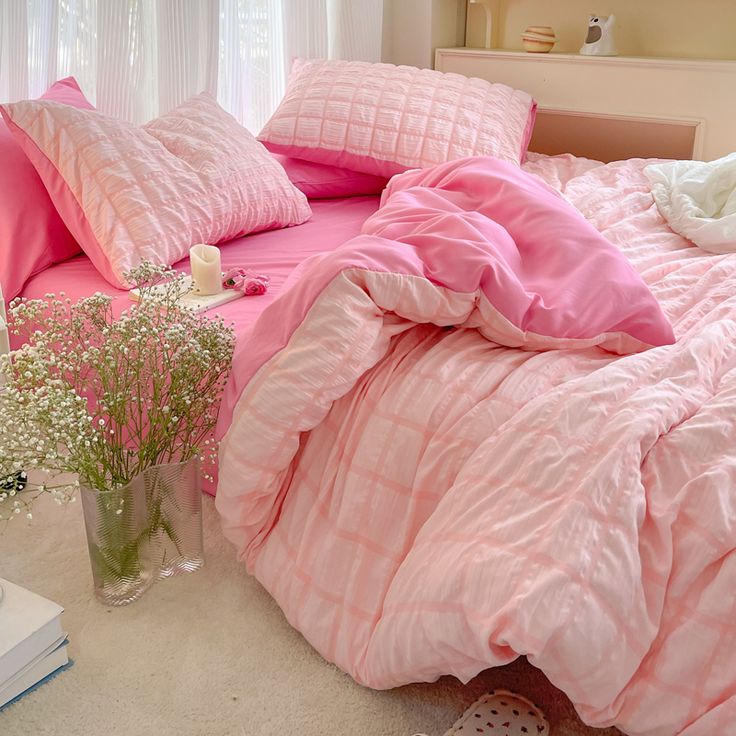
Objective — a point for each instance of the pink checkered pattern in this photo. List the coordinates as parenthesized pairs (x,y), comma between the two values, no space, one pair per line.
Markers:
(383,119)
(131,193)
(421,501)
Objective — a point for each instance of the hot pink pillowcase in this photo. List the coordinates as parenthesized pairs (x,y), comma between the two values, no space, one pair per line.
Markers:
(383,119)
(32,234)
(320,181)
(130,193)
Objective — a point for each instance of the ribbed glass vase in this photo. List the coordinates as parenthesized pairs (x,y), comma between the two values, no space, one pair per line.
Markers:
(176,496)
(149,529)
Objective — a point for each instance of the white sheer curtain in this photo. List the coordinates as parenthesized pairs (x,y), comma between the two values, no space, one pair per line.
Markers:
(260,38)
(139,58)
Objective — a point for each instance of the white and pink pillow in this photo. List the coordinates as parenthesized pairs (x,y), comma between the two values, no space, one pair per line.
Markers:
(32,234)
(383,119)
(130,193)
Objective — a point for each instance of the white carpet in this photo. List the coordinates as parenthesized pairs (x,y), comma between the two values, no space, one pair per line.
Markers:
(210,654)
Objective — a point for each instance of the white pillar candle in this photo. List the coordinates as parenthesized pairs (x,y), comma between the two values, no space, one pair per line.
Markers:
(206,268)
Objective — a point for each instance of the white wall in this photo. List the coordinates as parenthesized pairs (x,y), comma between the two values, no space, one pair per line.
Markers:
(413,29)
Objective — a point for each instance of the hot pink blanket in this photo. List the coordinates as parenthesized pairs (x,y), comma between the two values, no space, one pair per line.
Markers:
(423,500)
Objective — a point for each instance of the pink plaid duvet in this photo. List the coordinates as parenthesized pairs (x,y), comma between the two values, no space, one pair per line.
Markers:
(424,501)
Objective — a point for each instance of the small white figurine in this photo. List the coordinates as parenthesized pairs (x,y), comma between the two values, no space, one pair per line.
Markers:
(600,41)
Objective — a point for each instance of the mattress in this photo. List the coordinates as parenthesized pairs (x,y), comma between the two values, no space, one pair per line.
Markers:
(274,253)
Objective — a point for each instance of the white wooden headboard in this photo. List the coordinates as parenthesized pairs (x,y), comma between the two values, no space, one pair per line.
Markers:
(610,108)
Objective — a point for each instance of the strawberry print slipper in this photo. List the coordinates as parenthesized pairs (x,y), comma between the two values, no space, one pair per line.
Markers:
(501,713)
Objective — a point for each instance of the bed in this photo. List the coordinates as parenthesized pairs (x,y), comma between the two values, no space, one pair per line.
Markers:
(424,499)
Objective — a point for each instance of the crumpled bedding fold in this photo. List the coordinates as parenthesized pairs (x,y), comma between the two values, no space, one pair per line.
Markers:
(698,200)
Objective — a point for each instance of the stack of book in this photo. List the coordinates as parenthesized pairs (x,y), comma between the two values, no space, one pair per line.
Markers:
(32,642)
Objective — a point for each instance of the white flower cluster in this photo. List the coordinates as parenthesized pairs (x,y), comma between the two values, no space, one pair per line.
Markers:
(104,397)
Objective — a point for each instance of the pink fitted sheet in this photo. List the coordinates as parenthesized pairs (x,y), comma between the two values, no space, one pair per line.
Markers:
(275,253)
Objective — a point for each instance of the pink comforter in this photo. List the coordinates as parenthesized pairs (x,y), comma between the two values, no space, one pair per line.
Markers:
(425,501)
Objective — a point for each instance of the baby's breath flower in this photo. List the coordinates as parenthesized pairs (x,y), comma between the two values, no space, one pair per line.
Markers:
(155,355)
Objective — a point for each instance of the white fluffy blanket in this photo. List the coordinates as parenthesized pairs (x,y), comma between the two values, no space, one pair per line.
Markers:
(698,200)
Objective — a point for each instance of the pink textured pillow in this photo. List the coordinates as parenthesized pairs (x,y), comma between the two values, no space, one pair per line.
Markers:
(320,181)
(32,235)
(384,119)
(131,193)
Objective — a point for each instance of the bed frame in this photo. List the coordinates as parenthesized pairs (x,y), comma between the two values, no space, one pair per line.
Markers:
(611,108)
